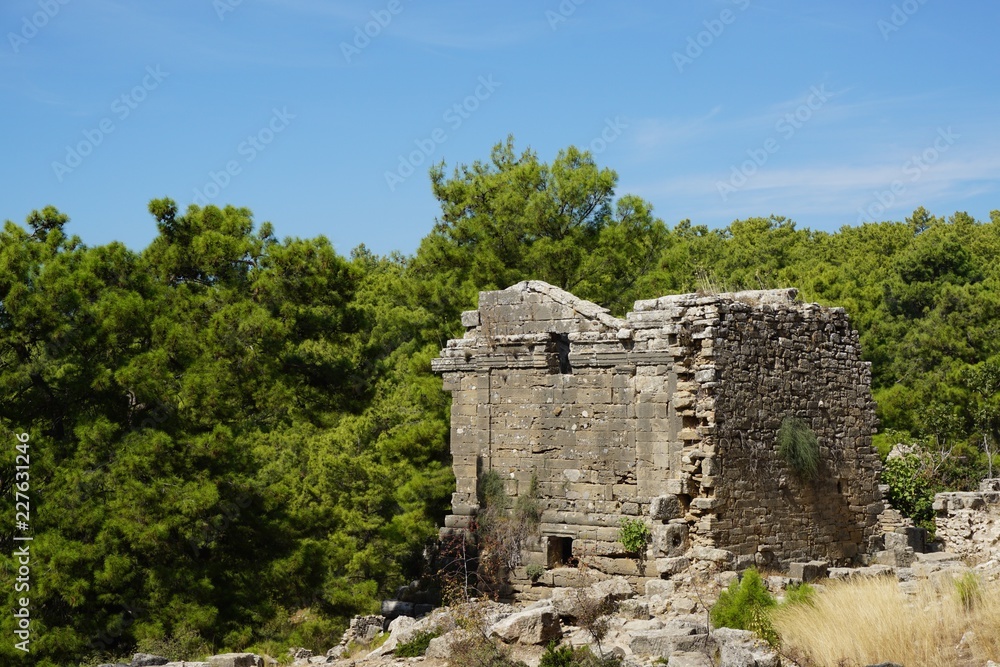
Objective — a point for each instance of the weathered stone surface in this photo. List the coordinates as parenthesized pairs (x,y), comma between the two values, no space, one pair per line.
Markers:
(236,660)
(534,626)
(807,572)
(664,508)
(666,641)
(741,648)
(870,571)
(689,659)
(616,588)
(670,540)
(470,318)
(903,557)
(720,556)
(442,647)
(663,587)
(148,660)
(669,566)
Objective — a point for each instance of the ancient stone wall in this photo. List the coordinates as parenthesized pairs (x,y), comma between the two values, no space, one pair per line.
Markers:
(793,361)
(968,523)
(667,416)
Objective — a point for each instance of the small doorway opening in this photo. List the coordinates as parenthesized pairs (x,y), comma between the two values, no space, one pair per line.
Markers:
(560,551)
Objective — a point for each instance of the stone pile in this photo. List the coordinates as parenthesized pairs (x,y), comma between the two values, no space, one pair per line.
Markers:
(222,660)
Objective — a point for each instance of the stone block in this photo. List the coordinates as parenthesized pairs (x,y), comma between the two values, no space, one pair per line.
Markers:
(470,318)
(689,659)
(895,557)
(531,627)
(718,556)
(236,660)
(670,540)
(663,642)
(807,572)
(672,566)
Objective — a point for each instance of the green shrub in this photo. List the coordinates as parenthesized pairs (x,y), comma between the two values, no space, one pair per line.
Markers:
(799,594)
(798,446)
(417,646)
(634,535)
(534,572)
(567,656)
(558,656)
(910,490)
(745,606)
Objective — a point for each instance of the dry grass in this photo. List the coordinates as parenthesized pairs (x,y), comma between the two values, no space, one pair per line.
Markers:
(868,621)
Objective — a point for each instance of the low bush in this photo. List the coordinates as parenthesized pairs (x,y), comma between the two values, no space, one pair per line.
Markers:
(567,656)
(746,605)
(417,646)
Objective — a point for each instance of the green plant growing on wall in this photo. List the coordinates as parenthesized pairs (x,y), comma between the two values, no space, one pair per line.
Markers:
(797,444)
(634,535)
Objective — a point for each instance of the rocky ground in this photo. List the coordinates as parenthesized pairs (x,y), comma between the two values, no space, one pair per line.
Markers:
(665,624)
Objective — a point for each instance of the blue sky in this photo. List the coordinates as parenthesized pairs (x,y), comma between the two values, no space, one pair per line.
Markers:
(827,113)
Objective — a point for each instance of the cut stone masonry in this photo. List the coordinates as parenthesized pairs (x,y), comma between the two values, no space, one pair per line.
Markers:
(669,415)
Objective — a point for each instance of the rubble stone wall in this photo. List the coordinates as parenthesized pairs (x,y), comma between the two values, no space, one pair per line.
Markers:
(968,523)
(802,361)
(667,416)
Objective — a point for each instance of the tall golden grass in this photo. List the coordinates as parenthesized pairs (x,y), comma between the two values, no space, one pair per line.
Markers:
(868,621)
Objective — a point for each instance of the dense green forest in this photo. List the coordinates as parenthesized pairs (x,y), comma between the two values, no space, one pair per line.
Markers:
(236,439)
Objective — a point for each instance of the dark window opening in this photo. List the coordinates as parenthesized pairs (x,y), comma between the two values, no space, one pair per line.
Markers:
(560,551)
(562,351)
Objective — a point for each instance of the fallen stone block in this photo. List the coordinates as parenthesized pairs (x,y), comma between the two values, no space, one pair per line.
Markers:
(442,648)
(535,626)
(900,557)
(810,571)
(616,588)
(870,571)
(671,566)
(660,587)
(717,556)
(689,659)
(634,608)
(148,660)
(236,660)
(665,642)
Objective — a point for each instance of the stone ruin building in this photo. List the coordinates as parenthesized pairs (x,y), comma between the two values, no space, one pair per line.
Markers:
(669,416)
